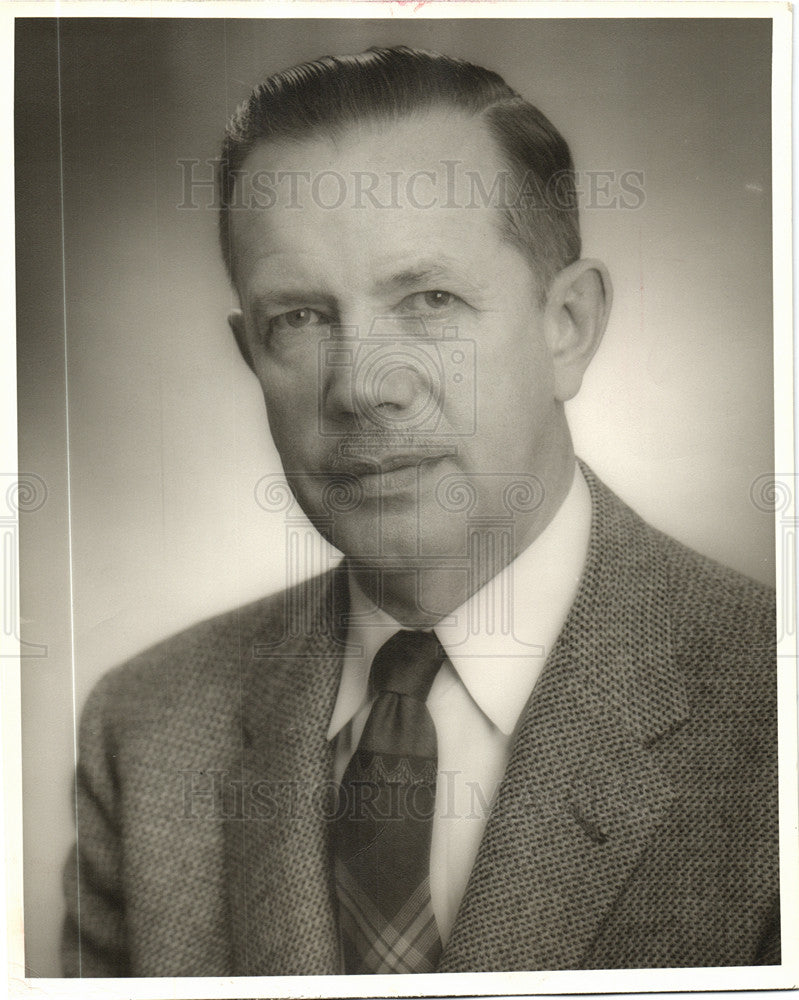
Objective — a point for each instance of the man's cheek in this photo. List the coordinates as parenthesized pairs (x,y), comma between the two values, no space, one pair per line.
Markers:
(291,418)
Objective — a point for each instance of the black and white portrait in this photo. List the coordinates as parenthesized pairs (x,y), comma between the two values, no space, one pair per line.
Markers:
(397,500)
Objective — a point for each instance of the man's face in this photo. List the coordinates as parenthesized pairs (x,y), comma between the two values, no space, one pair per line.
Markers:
(399,339)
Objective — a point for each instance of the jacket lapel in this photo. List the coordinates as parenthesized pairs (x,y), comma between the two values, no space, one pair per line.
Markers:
(283,919)
(583,792)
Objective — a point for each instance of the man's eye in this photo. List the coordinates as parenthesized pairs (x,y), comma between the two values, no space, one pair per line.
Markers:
(297,319)
(433,300)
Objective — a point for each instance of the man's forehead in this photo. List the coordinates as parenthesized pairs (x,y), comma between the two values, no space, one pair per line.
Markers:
(284,274)
(388,194)
(440,156)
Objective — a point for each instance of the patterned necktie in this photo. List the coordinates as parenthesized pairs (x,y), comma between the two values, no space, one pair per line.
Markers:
(385,817)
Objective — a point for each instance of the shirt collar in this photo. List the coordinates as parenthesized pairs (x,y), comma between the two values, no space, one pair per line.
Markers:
(498,640)
(369,627)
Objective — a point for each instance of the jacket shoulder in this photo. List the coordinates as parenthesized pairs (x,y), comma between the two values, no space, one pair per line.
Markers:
(195,673)
(718,620)
(717,613)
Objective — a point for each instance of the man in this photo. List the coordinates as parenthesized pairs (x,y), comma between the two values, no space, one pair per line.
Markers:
(518,728)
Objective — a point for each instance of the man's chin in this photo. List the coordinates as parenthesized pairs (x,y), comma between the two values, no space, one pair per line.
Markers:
(397,535)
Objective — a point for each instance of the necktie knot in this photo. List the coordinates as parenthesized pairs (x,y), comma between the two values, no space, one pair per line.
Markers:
(407,663)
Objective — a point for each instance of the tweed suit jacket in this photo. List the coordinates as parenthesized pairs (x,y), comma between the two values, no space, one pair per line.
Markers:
(636,825)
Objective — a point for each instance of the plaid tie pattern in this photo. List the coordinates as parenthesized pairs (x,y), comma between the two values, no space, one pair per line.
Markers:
(385,817)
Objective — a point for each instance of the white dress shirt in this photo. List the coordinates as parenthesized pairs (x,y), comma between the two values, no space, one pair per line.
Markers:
(480,692)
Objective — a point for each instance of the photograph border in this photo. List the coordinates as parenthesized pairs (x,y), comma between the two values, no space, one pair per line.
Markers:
(441,984)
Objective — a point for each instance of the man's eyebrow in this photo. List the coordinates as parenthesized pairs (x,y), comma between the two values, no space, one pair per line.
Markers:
(427,273)
(421,275)
(288,297)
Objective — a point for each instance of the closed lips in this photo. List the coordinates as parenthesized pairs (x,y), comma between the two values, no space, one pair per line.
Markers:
(389,463)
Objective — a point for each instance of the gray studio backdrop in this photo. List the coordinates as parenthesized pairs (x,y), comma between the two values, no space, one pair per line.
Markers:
(122,302)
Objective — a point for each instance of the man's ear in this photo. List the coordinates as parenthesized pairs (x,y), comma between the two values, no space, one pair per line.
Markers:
(578,306)
(237,325)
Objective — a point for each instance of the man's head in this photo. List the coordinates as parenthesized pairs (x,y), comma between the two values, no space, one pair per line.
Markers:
(329,96)
(413,348)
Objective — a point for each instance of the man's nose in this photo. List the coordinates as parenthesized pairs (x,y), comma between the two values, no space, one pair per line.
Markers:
(378,385)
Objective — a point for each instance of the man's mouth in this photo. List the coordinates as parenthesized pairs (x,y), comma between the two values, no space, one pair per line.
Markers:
(396,470)
(372,459)
(388,463)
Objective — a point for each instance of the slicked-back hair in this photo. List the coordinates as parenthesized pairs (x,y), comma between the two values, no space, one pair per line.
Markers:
(325,97)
